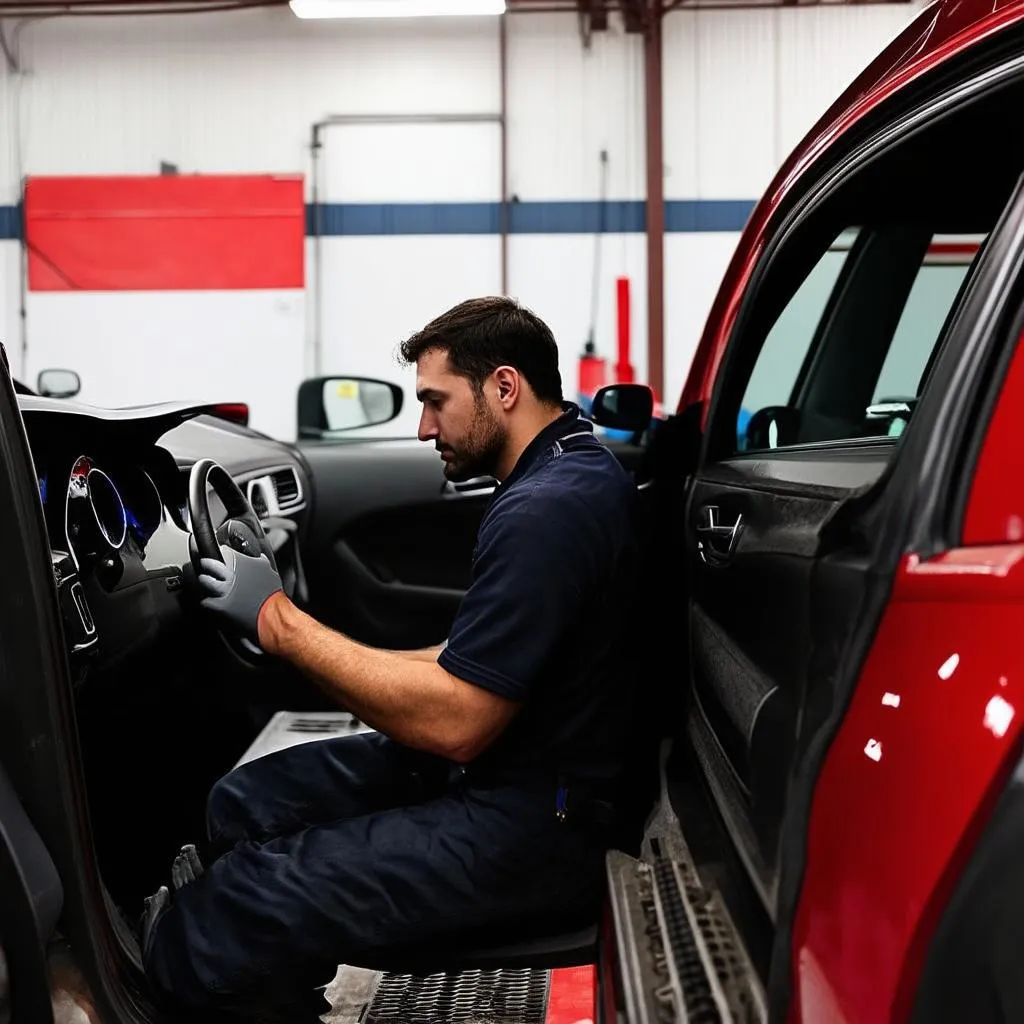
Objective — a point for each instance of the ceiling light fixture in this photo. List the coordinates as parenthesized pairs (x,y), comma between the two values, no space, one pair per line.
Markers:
(395,8)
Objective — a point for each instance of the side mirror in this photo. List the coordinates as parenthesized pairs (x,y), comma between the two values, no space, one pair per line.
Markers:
(329,405)
(623,407)
(775,426)
(58,383)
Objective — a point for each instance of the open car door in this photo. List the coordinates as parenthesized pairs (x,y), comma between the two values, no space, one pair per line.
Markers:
(30,902)
(851,385)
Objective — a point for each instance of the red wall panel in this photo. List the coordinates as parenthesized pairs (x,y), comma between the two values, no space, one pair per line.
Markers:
(165,233)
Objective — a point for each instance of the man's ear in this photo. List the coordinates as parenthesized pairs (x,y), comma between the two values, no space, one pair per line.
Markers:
(507,383)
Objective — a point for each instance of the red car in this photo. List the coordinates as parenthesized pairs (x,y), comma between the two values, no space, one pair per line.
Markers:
(837,524)
(844,570)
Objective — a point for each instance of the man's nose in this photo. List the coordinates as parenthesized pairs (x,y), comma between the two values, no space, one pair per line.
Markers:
(428,428)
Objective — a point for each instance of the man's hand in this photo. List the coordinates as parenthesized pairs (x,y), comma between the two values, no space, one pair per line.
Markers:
(236,589)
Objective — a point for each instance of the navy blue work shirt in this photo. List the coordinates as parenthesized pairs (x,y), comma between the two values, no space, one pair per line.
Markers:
(544,620)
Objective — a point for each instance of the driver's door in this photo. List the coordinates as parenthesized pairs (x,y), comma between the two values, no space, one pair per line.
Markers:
(807,420)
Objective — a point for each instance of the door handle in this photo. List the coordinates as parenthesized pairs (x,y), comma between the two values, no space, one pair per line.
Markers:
(716,537)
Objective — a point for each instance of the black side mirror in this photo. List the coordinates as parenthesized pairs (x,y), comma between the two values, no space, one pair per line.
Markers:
(332,405)
(58,383)
(775,426)
(623,407)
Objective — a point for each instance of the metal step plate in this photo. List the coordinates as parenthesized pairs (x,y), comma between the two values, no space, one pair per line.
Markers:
(287,728)
(471,997)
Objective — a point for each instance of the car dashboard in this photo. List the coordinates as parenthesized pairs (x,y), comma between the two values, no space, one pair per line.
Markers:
(114,494)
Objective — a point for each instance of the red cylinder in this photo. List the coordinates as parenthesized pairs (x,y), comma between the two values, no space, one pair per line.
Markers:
(623,368)
(591,376)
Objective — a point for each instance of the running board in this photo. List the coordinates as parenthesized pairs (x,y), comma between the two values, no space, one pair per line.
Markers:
(680,956)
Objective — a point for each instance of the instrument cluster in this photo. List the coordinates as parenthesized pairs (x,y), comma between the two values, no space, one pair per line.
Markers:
(109,509)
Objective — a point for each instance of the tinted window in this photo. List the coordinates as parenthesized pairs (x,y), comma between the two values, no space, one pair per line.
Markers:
(788,342)
(796,394)
(936,286)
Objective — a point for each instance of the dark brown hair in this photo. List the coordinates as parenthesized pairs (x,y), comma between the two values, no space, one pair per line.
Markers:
(479,335)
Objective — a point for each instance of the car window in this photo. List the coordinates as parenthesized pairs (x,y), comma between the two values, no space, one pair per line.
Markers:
(786,346)
(931,298)
(785,403)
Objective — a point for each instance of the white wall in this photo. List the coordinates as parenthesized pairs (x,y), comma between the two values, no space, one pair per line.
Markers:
(239,92)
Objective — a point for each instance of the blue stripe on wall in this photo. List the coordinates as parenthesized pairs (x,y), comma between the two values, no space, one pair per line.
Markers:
(10,222)
(525,218)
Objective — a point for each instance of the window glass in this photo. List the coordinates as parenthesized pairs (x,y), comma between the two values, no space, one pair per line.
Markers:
(773,415)
(787,343)
(930,300)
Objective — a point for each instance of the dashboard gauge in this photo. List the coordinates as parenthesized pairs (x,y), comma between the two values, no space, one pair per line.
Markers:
(107,508)
(144,509)
(95,510)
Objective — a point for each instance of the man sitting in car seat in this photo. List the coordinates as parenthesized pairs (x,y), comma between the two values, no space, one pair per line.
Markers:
(492,787)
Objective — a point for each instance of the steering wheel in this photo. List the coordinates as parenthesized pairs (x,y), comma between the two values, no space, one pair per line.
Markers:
(241,530)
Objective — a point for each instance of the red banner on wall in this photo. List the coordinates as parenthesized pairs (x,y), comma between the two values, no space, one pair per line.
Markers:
(165,233)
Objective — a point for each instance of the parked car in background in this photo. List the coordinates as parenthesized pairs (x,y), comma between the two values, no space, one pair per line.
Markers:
(829,648)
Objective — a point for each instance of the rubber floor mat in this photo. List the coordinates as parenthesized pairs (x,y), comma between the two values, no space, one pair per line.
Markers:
(469,997)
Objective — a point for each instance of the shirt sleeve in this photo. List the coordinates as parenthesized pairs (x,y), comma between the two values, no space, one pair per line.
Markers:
(529,579)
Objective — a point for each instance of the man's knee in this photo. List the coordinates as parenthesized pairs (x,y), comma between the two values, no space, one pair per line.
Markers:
(229,810)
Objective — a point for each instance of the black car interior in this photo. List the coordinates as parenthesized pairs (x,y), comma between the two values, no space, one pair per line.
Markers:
(369,538)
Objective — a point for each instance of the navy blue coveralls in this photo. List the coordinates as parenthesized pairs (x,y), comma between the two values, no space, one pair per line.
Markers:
(342,850)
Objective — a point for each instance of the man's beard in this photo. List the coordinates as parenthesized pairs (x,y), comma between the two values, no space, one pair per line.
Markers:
(479,453)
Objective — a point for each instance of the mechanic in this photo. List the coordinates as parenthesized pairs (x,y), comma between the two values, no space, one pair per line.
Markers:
(492,787)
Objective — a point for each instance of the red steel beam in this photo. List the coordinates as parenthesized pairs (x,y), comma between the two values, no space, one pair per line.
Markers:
(655,206)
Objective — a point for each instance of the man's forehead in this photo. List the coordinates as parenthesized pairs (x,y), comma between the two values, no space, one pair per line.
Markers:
(433,372)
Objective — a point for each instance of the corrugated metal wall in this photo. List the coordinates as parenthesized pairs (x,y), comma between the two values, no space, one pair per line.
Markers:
(239,93)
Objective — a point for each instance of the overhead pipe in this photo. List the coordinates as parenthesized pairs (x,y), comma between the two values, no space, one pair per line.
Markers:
(316,144)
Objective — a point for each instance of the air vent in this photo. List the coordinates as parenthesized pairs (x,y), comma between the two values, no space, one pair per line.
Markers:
(258,501)
(287,489)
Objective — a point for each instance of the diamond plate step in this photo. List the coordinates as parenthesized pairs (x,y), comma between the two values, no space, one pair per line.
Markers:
(469,997)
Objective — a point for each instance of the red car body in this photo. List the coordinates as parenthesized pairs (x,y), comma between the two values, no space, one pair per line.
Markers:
(934,727)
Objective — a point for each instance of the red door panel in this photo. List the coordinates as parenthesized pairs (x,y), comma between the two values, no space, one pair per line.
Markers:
(931,731)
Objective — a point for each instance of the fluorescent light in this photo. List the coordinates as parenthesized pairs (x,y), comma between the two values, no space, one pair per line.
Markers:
(394,8)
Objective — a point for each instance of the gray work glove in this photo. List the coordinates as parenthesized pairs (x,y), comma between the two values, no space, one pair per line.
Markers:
(236,589)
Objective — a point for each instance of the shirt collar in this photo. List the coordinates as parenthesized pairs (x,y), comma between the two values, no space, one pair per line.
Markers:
(571,421)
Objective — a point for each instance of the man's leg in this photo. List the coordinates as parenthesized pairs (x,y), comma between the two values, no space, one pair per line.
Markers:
(316,782)
(266,923)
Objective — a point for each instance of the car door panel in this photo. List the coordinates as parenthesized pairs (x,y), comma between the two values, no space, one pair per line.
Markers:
(389,543)
(751,630)
(774,539)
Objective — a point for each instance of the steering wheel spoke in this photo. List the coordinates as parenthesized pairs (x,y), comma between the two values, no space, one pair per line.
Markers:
(242,530)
